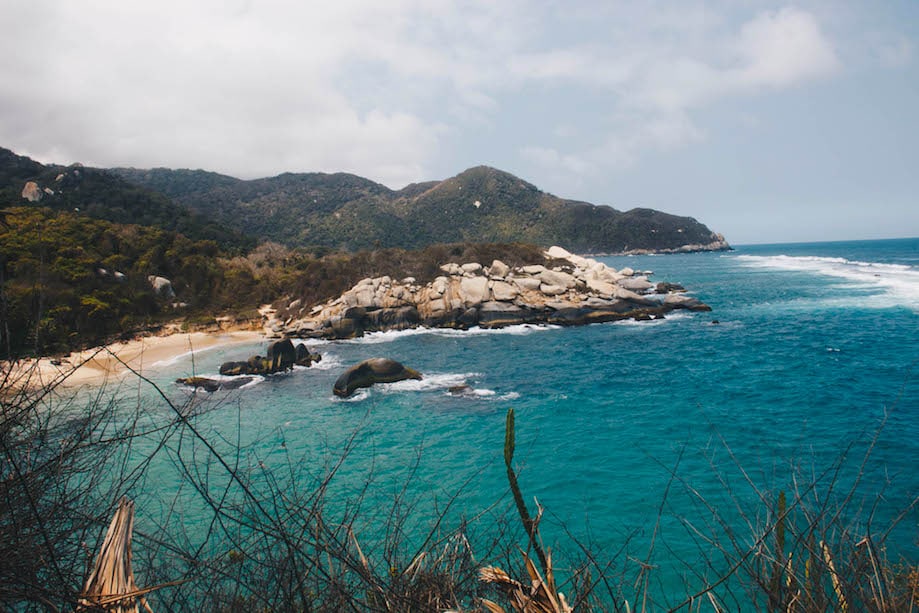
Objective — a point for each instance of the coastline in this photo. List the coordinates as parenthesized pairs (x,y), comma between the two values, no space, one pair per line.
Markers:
(111,363)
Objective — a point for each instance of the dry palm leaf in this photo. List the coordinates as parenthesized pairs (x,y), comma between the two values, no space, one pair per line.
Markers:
(111,585)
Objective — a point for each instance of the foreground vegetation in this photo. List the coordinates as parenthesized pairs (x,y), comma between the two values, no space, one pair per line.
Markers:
(275,540)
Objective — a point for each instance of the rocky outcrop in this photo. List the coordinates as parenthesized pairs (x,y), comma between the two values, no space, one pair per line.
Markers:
(282,355)
(718,244)
(162,286)
(368,372)
(566,290)
(212,385)
(32,192)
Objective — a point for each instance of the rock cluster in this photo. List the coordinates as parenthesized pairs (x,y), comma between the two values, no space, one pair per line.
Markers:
(282,356)
(566,290)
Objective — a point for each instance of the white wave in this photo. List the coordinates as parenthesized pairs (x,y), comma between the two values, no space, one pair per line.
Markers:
(444,382)
(670,317)
(435,381)
(328,362)
(515,330)
(891,284)
(373,338)
(356,397)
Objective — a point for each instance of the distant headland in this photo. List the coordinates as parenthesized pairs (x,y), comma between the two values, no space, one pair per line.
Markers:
(91,256)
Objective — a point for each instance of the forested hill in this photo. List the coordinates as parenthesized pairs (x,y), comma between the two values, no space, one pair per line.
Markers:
(100,194)
(482,204)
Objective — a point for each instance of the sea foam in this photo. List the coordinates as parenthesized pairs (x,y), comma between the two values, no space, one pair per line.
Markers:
(374,338)
(889,284)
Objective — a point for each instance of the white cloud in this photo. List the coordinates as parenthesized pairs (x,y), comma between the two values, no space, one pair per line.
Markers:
(783,48)
(654,89)
(382,89)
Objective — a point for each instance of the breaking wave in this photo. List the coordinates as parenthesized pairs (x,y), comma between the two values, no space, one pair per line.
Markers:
(889,284)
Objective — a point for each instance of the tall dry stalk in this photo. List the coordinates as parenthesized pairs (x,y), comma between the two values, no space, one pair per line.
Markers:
(541,595)
(111,586)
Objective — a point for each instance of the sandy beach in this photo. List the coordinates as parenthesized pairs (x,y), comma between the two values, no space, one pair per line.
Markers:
(102,365)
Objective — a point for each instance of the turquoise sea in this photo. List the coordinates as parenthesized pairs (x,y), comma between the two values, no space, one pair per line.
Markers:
(627,433)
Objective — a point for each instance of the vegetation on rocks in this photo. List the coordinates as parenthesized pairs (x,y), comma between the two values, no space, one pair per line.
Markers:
(69,281)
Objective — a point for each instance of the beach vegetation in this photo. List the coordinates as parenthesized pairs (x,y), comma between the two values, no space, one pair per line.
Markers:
(69,281)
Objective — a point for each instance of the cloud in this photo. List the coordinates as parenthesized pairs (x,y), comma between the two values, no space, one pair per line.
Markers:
(782,48)
(387,89)
(655,88)
(245,91)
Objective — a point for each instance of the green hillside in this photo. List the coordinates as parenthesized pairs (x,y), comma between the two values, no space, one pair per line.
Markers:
(482,204)
(100,194)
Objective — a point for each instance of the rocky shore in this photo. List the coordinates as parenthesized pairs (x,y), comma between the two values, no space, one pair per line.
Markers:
(565,289)
(719,244)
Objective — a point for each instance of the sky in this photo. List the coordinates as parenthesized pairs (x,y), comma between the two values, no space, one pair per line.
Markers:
(768,122)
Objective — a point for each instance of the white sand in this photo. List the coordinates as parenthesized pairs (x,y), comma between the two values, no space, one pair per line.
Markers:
(111,363)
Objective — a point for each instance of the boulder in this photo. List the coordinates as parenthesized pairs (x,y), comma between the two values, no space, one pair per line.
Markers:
(667,288)
(527,283)
(474,290)
(452,269)
(552,290)
(439,286)
(636,284)
(601,288)
(503,291)
(558,253)
(499,269)
(362,296)
(162,286)
(32,192)
(561,279)
(624,294)
(399,318)
(500,314)
(345,327)
(304,357)
(368,372)
(469,318)
(682,301)
(212,385)
(472,268)
(282,355)
(234,368)
(257,364)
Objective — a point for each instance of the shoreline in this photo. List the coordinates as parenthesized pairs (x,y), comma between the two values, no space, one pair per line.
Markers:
(112,363)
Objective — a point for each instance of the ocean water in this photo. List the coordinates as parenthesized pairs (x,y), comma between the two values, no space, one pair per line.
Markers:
(627,433)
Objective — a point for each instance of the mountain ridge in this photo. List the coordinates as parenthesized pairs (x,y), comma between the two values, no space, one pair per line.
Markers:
(480,204)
